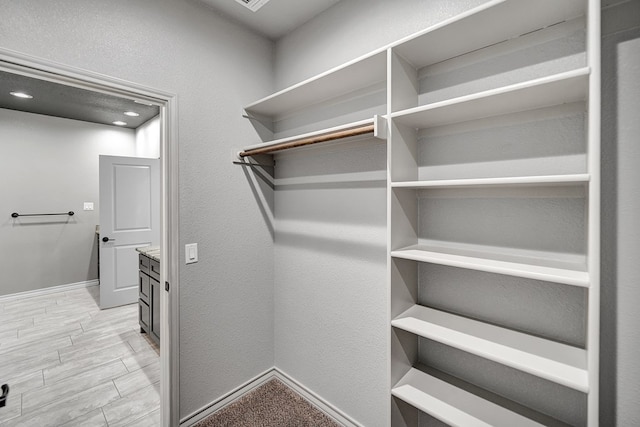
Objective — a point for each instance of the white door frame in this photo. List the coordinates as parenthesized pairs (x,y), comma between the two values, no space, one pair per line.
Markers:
(19,63)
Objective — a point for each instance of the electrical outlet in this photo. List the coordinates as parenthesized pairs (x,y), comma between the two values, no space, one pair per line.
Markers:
(88,206)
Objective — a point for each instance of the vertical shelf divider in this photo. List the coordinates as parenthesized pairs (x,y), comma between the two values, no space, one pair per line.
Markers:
(593,238)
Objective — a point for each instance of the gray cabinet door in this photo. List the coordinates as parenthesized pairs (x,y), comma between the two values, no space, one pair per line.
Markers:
(145,287)
(144,315)
(155,308)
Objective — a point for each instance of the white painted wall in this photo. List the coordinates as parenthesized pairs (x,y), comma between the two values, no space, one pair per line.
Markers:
(215,67)
(148,139)
(50,164)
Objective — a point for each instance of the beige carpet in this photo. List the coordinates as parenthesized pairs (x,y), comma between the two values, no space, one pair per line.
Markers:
(273,404)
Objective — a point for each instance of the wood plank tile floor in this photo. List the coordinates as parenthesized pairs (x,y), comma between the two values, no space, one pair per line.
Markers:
(68,363)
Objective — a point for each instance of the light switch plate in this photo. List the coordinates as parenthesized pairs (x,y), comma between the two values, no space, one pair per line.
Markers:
(88,206)
(190,253)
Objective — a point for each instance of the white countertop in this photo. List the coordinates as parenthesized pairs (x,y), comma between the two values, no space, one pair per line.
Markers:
(152,252)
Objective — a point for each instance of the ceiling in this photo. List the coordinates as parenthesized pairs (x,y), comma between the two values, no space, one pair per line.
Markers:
(276,18)
(53,99)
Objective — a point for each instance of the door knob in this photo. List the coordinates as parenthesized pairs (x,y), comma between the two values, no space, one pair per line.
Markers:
(106,239)
(5,395)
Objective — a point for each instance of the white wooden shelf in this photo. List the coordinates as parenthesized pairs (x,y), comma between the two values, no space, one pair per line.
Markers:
(560,363)
(453,405)
(571,86)
(550,267)
(357,74)
(543,180)
(493,22)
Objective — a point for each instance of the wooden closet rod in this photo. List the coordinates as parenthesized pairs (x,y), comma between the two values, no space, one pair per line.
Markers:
(332,136)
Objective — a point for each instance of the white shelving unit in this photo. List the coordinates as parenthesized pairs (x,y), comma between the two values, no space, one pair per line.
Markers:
(415,324)
(394,83)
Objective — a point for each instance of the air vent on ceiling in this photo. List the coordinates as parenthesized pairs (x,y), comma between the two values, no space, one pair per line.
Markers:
(253,5)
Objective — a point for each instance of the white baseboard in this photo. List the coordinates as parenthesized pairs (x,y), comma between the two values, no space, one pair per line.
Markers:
(317,401)
(50,290)
(324,406)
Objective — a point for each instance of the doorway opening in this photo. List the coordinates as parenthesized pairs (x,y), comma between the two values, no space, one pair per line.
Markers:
(73,78)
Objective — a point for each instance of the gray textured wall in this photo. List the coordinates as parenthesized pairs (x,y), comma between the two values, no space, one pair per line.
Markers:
(181,47)
(215,67)
(330,270)
(620,370)
(352,28)
(49,164)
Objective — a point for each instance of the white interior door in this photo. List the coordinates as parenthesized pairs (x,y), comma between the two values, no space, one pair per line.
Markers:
(129,218)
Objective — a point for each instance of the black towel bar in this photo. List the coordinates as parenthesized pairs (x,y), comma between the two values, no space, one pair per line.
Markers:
(16,214)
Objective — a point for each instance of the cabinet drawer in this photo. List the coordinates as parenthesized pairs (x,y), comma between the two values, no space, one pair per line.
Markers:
(144,263)
(144,315)
(144,287)
(154,269)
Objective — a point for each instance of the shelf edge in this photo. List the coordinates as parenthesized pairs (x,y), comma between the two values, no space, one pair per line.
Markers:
(487,94)
(549,274)
(504,181)
(538,365)
(413,389)
(316,78)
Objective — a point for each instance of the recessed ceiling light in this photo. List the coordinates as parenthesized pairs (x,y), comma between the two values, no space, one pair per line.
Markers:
(143,103)
(21,95)
(119,123)
(131,114)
